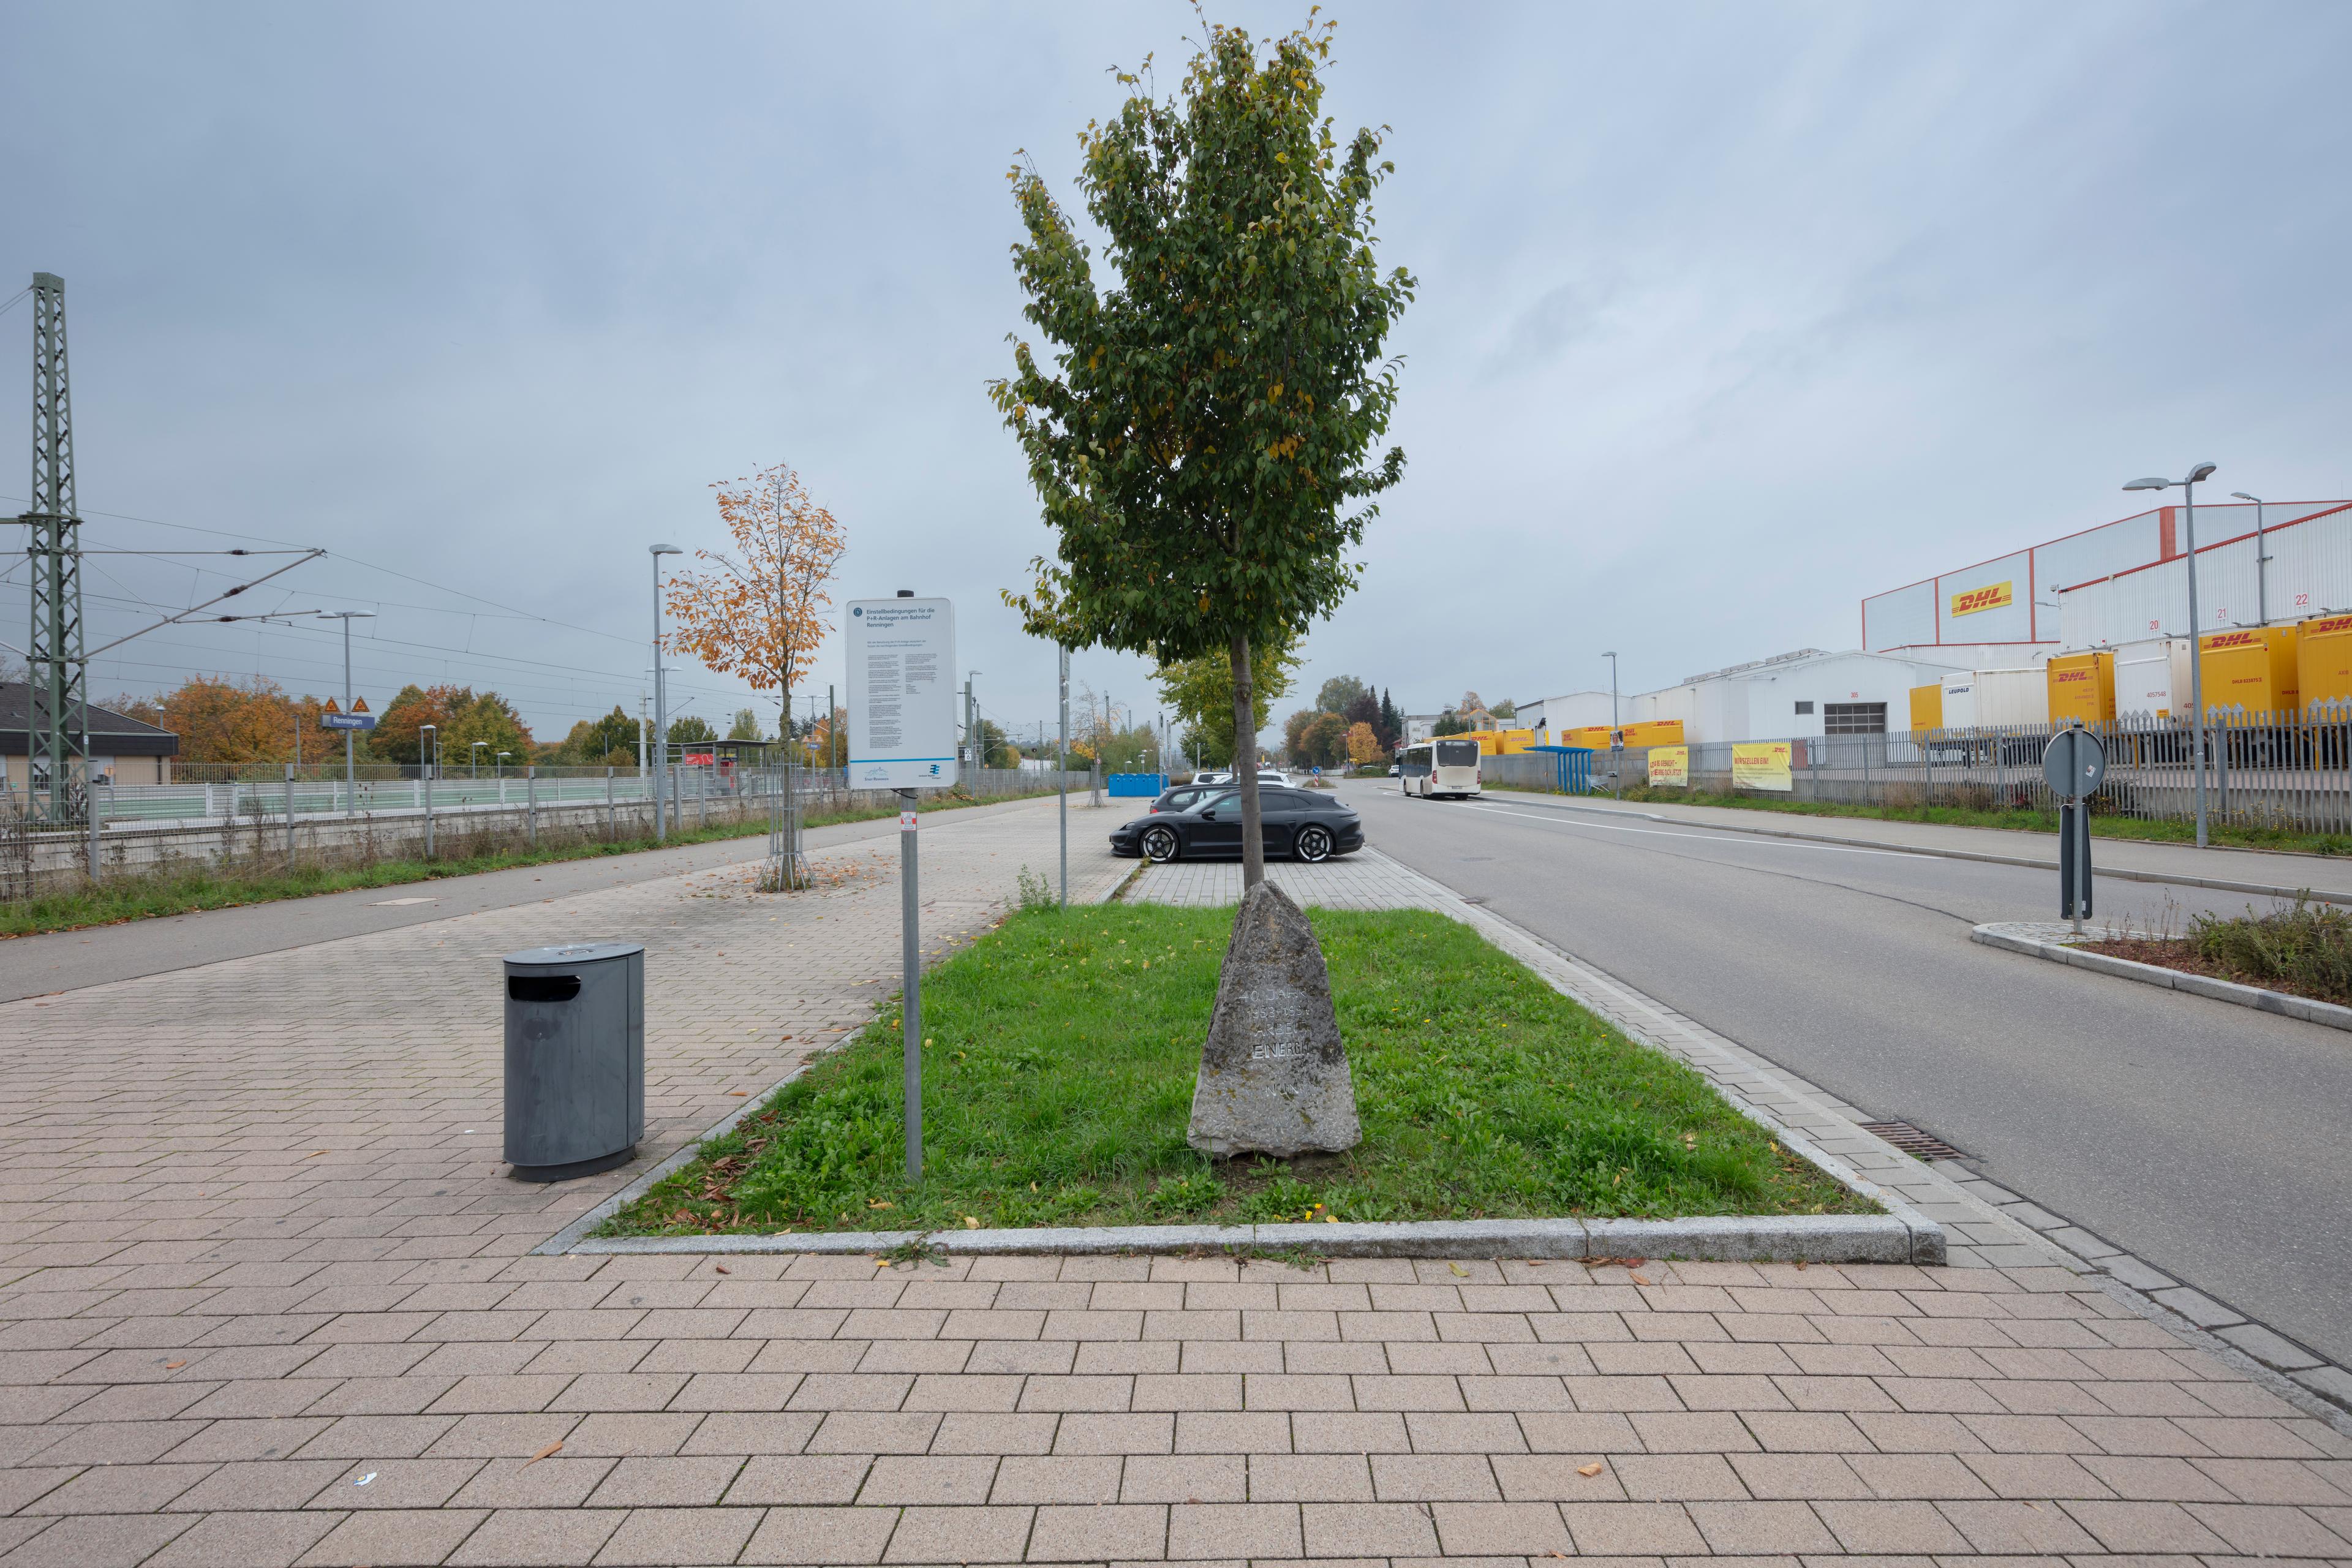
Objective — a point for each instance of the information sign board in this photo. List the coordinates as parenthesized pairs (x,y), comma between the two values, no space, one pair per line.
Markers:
(347,721)
(902,698)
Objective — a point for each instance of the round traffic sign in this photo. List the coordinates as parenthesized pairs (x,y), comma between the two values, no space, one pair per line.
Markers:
(2074,762)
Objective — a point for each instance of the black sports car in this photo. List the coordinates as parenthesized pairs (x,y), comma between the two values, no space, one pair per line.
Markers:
(1297,823)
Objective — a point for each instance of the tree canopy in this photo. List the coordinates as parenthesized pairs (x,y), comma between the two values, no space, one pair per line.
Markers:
(1203,441)
(1339,693)
(1200,692)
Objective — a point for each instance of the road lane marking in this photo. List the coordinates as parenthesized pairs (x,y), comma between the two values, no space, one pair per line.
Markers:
(1748,840)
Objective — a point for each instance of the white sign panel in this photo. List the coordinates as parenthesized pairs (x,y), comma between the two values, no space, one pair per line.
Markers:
(902,696)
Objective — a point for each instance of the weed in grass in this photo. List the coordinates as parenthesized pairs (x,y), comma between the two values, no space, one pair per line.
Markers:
(1033,891)
(1059,1076)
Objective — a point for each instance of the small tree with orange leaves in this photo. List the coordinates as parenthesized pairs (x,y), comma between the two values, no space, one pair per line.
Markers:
(759,611)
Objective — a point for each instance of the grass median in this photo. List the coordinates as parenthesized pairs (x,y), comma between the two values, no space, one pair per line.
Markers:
(194,885)
(1058,1069)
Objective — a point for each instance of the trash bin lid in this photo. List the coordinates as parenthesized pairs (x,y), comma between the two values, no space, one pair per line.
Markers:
(575,952)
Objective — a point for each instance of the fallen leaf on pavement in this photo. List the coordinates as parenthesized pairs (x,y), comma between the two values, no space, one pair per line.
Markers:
(1592,1469)
(1459,1269)
(739,1093)
(722,1268)
(1636,1278)
(173,1365)
(543,1453)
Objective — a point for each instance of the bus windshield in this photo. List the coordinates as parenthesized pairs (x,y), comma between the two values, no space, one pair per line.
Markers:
(1457,753)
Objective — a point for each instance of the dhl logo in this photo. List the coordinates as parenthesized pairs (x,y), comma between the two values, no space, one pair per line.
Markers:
(2070,674)
(2340,624)
(2231,639)
(1990,597)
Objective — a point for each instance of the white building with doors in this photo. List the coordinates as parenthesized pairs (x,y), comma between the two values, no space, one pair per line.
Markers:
(1801,694)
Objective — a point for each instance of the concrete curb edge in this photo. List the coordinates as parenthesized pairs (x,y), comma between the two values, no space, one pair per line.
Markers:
(1814,1238)
(2008,936)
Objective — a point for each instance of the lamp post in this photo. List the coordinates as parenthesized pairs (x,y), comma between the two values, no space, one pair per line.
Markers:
(428,752)
(473,759)
(498,771)
(1613,688)
(351,784)
(2196,642)
(661,702)
(2261,561)
(1615,787)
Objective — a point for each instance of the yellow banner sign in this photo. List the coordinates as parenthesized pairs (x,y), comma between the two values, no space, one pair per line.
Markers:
(1991,596)
(1669,767)
(1762,765)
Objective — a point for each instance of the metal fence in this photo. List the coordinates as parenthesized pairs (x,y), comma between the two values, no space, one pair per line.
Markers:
(266,827)
(2286,771)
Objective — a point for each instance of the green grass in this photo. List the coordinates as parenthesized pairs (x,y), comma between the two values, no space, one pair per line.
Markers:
(1058,1072)
(207,885)
(2227,834)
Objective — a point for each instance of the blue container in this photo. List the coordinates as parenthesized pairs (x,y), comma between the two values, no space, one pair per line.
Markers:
(1140,786)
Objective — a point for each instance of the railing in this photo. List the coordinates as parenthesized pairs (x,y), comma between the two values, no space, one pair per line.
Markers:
(2286,771)
(273,825)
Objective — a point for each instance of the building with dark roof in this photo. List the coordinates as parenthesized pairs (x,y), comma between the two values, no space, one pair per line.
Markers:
(126,751)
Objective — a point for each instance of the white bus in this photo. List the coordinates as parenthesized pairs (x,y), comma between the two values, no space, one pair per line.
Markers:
(1449,766)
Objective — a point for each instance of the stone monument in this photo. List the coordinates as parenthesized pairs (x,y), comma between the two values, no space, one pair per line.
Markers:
(1274,1074)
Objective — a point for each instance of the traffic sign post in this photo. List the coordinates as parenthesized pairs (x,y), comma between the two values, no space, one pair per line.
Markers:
(902,737)
(2073,765)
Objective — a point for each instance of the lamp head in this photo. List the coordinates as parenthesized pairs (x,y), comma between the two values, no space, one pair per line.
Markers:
(2199,474)
(663,549)
(2149,485)
(2240,495)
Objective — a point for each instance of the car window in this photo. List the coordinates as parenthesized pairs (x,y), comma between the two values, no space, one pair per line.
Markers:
(1283,800)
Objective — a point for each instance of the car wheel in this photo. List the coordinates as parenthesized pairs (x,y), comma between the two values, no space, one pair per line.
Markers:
(1159,844)
(1313,844)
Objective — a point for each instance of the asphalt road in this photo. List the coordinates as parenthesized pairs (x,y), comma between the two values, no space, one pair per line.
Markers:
(65,960)
(2207,1138)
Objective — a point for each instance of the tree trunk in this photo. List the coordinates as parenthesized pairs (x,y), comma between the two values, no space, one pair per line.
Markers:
(1246,769)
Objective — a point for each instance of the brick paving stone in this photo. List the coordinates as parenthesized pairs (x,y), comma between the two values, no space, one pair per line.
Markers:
(375,1310)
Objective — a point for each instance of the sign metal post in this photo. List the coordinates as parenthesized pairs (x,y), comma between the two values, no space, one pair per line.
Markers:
(902,737)
(2073,765)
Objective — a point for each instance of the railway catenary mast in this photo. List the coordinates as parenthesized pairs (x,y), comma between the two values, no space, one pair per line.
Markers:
(55,708)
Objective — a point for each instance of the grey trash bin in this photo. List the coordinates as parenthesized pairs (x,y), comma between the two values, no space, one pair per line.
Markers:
(575,1058)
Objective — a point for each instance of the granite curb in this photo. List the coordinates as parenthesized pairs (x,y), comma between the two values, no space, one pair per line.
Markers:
(2030,938)
(1810,1238)
(2121,874)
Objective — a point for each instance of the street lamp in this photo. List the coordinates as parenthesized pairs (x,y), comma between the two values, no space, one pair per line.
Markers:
(2195,644)
(498,771)
(473,759)
(1616,787)
(1613,688)
(661,700)
(350,785)
(2261,561)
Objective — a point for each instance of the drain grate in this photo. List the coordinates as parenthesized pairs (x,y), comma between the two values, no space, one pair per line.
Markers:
(1914,1140)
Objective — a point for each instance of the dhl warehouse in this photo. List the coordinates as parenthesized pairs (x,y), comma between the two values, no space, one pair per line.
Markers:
(2092,626)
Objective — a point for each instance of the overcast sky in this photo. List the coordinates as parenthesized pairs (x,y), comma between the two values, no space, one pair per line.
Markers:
(1728,315)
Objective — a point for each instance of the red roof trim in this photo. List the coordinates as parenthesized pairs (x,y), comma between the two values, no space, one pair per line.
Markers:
(2337,510)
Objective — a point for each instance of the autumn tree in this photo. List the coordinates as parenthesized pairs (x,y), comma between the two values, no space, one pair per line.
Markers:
(1202,437)
(758,611)
(1364,745)
(460,715)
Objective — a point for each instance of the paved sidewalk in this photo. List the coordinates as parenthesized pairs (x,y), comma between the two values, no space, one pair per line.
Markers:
(2183,861)
(264,1300)
(1351,882)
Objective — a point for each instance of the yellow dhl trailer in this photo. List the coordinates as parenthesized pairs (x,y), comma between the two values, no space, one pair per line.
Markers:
(1928,706)
(2082,686)
(2252,668)
(1503,742)
(1653,732)
(2323,659)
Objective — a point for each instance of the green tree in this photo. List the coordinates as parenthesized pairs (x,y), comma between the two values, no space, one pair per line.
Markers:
(1202,444)
(1325,743)
(1200,692)
(1450,722)
(691,730)
(1339,693)
(746,726)
(1390,726)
